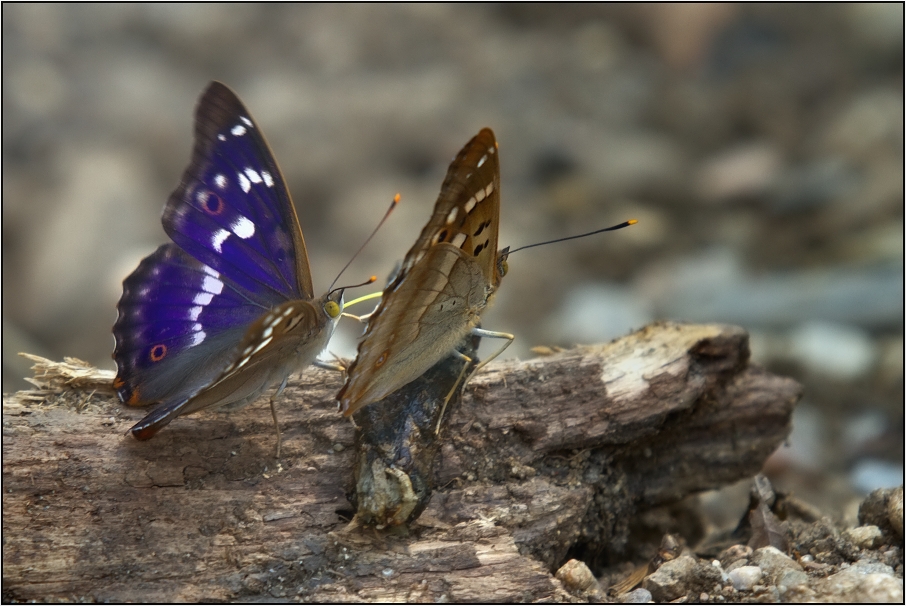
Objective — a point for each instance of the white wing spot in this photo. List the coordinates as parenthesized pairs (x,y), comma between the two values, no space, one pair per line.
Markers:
(268,179)
(471,204)
(458,239)
(267,331)
(262,345)
(211,285)
(211,271)
(243,228)
(491,150)
(246,120)
(194,312)
(221,137)
(198,337)
(484,159)
(489,188)
(244,182)
(238,130)
(203,298)
(480,194)
(217,240)
(288,312)
(452,215)
(220,181)
(253,176)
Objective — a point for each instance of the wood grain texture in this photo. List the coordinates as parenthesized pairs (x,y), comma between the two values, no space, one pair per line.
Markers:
(541,455)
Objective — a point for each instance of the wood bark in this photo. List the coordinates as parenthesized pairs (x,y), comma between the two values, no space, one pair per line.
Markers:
(541,455)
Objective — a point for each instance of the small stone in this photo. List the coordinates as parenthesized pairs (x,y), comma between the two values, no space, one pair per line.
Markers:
(637,596)
(864,537)
(745,578)
(576,576)
(883,508)
(773,562)
(737,564)
(671,580)
(863,582)
(734,553)
(791,579)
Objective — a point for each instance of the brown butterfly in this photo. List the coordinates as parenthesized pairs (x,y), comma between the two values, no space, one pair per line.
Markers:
(446,280)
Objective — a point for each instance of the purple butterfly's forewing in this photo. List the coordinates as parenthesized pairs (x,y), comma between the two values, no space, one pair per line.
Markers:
(232,210)
(237,253)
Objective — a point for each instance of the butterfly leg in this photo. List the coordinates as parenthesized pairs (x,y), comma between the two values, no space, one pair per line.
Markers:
(363,318)
(274,414)
(339,367)
(478,332)
(468,362)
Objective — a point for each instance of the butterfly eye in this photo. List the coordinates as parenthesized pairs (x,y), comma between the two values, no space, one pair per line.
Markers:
(504,267)
(332,309)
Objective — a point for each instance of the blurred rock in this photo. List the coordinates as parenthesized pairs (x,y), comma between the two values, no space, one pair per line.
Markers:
(877,25)
(773,562)
(739,173)
(596,313)
(870,474)
(833,350)
(714,287)
(804,188)
(681,576)
(863,537)
(744,578)
(636,596)
(884,508)
(671,580)
(576,576)
(862,582)
(874,118)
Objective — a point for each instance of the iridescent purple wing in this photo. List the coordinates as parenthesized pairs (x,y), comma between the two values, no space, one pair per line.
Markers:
(238,253)
(232,210)
(178,327)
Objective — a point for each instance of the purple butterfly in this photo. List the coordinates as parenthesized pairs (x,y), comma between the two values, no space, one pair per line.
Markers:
(227,309)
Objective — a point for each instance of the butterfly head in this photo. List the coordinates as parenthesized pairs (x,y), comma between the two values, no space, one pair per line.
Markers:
(332,304)
(502,266)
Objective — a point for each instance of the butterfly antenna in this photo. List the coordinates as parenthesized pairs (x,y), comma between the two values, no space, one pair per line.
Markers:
(591,233)
(370,280)
(396,200)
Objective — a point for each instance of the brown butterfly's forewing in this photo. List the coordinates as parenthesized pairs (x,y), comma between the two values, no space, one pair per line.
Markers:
(446,280)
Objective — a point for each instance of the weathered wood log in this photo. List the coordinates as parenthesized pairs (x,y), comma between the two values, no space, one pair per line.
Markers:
(540,456)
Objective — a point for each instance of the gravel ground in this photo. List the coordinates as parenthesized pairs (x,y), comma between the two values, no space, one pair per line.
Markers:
(760,147)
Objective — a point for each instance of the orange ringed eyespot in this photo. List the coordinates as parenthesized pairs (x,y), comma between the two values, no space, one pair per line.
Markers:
(382,359)
(158,352)
(211,203)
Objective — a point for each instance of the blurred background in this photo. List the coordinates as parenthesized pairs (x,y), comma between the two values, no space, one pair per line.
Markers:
(759,146)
